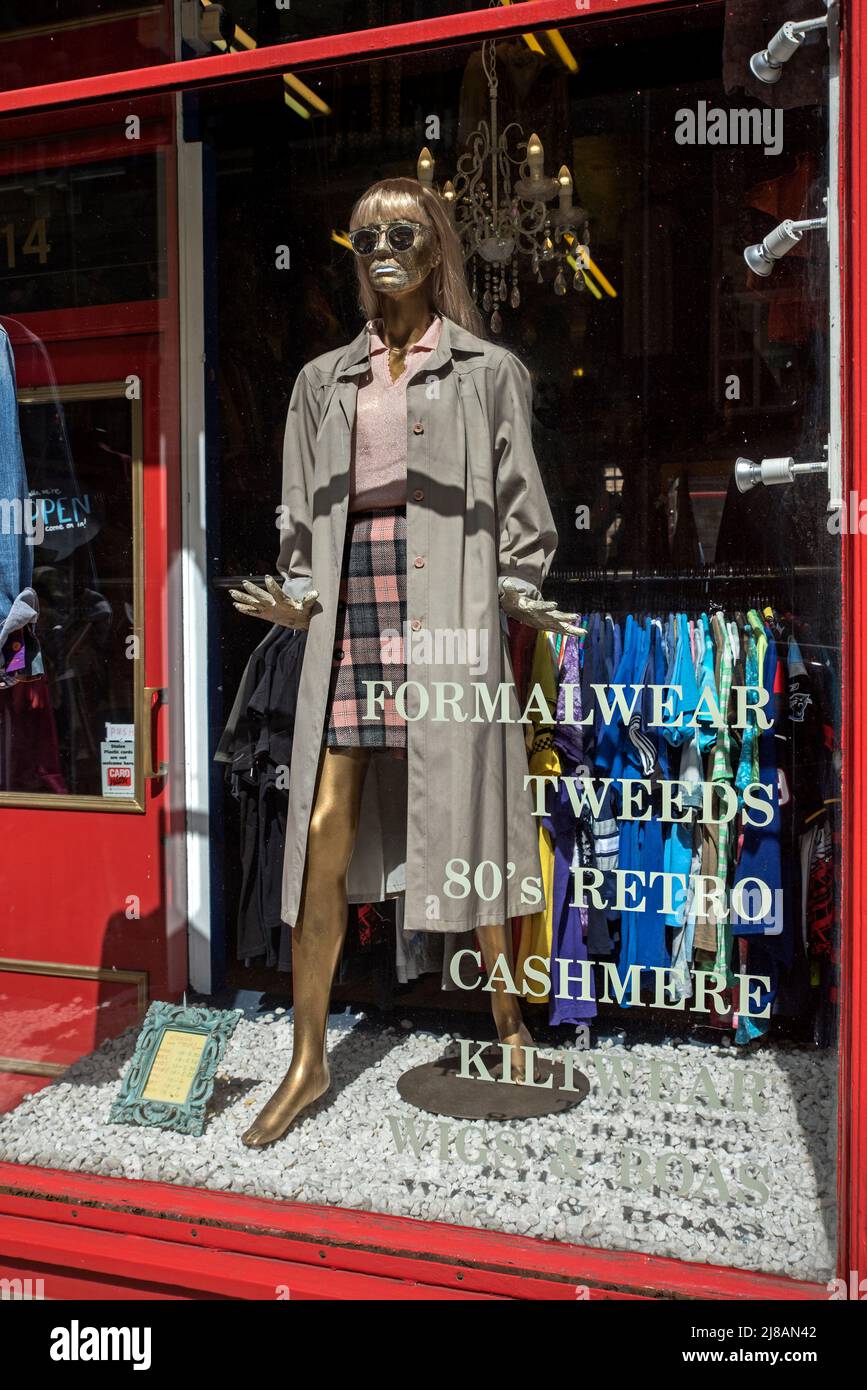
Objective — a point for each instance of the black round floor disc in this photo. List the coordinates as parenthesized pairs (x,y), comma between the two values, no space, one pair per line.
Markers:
(437,1088)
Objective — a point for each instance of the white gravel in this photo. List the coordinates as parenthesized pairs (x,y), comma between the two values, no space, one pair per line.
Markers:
(561,1177)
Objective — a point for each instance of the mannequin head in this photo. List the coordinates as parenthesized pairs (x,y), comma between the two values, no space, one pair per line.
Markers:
(433,263)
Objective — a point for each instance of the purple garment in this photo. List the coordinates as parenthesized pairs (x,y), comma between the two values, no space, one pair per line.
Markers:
(568,922)
(569,738)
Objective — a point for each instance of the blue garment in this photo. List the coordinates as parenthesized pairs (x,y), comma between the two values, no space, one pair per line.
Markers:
(620,751)
(761,851)
(16,556)
(680,834)
(611,738)
(681,702)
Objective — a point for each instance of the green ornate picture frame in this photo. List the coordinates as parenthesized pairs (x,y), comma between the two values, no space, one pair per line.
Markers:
(170,1078)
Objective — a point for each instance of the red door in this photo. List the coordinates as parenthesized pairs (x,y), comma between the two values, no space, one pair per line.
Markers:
(84,785)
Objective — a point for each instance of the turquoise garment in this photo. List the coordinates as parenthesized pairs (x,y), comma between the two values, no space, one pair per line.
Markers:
(744,774)
(707,730)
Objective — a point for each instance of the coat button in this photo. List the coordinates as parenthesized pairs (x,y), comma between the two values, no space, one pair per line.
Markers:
(338,654)
(418,427)
(415,624)
(417,495)
(419,562)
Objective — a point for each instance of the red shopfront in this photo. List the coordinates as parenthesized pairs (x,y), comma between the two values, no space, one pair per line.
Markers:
(173,224)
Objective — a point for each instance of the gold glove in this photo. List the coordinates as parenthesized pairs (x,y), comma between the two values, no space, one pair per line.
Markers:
(273,605)
(536,611)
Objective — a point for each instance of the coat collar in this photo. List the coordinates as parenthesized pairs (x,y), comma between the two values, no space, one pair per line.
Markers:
(455,345)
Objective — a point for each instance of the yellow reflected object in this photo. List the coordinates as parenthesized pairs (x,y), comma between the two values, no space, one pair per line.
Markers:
(588,263)
(562,49)
(570,260)
(245,40)
(594,269)
(296,106)
(529,39)
(307,93)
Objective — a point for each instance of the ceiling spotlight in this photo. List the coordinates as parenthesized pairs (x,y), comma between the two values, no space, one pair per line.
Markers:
(763,256)
(773,472)
(767,66)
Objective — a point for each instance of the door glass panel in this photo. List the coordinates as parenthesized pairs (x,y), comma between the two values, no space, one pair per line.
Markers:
(41,42)
(70,718)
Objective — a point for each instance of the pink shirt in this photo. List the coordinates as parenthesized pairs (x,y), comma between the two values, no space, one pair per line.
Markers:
(377,475)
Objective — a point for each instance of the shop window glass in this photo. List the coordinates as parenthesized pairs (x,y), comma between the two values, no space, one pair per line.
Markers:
(708,1129)
(85,234)
(46,42)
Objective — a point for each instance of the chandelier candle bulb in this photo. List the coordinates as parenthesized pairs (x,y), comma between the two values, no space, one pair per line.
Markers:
(535,157)
(425,168)
(564,178)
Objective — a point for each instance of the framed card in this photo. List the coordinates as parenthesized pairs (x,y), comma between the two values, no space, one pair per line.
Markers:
(170,1079)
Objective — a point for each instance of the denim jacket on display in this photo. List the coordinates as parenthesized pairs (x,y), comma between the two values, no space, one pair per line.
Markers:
(16,556)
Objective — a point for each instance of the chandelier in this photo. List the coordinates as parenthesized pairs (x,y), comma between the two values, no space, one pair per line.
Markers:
(501,219)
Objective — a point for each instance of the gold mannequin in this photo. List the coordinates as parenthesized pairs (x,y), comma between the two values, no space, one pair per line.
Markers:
(401,279)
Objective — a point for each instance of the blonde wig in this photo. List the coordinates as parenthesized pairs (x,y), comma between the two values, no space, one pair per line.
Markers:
(388,201)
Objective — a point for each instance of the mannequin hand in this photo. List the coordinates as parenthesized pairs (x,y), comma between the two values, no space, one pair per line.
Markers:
(273,605)
(536,612)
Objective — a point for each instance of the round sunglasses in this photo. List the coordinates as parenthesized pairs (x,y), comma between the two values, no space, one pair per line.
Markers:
(400,236)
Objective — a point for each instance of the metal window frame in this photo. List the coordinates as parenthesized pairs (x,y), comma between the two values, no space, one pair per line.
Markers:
(363,44)
(473,1252)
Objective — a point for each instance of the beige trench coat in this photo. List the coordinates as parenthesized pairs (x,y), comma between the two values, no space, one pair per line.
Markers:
(476,513)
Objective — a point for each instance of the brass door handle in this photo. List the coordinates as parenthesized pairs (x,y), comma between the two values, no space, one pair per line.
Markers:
(151,706)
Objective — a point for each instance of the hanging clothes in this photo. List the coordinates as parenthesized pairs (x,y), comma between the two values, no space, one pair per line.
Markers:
(733,780)
(19,606)
(536,927)
(569,1002)
(256,749)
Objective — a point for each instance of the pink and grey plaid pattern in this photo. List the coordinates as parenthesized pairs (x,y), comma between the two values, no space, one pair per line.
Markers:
(372,601)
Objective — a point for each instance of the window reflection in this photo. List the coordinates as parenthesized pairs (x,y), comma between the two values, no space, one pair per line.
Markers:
(69,725)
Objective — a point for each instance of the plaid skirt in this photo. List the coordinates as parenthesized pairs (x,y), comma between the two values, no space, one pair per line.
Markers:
(368,642)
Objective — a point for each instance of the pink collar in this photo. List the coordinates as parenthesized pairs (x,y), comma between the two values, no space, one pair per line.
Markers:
(426,343)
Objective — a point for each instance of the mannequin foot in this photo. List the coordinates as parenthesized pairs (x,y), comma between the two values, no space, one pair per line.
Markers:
(519,1040)
(300,1087)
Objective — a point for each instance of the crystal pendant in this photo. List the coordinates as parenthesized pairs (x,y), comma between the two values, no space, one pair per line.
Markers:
(504,289)
(578,282)
(560,282)
(496,322)
(487,301)
(515,297)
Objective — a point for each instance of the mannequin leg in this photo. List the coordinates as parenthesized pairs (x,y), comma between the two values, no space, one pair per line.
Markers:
(506,1008)
(317,938)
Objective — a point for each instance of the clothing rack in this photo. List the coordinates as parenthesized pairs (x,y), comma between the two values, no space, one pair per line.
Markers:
(689,575)
(600,587)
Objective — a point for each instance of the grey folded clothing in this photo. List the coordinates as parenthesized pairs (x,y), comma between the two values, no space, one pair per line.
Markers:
(24,612)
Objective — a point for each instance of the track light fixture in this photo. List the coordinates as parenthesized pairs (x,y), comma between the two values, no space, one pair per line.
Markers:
(767,66)
(763,256)
(773,472)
